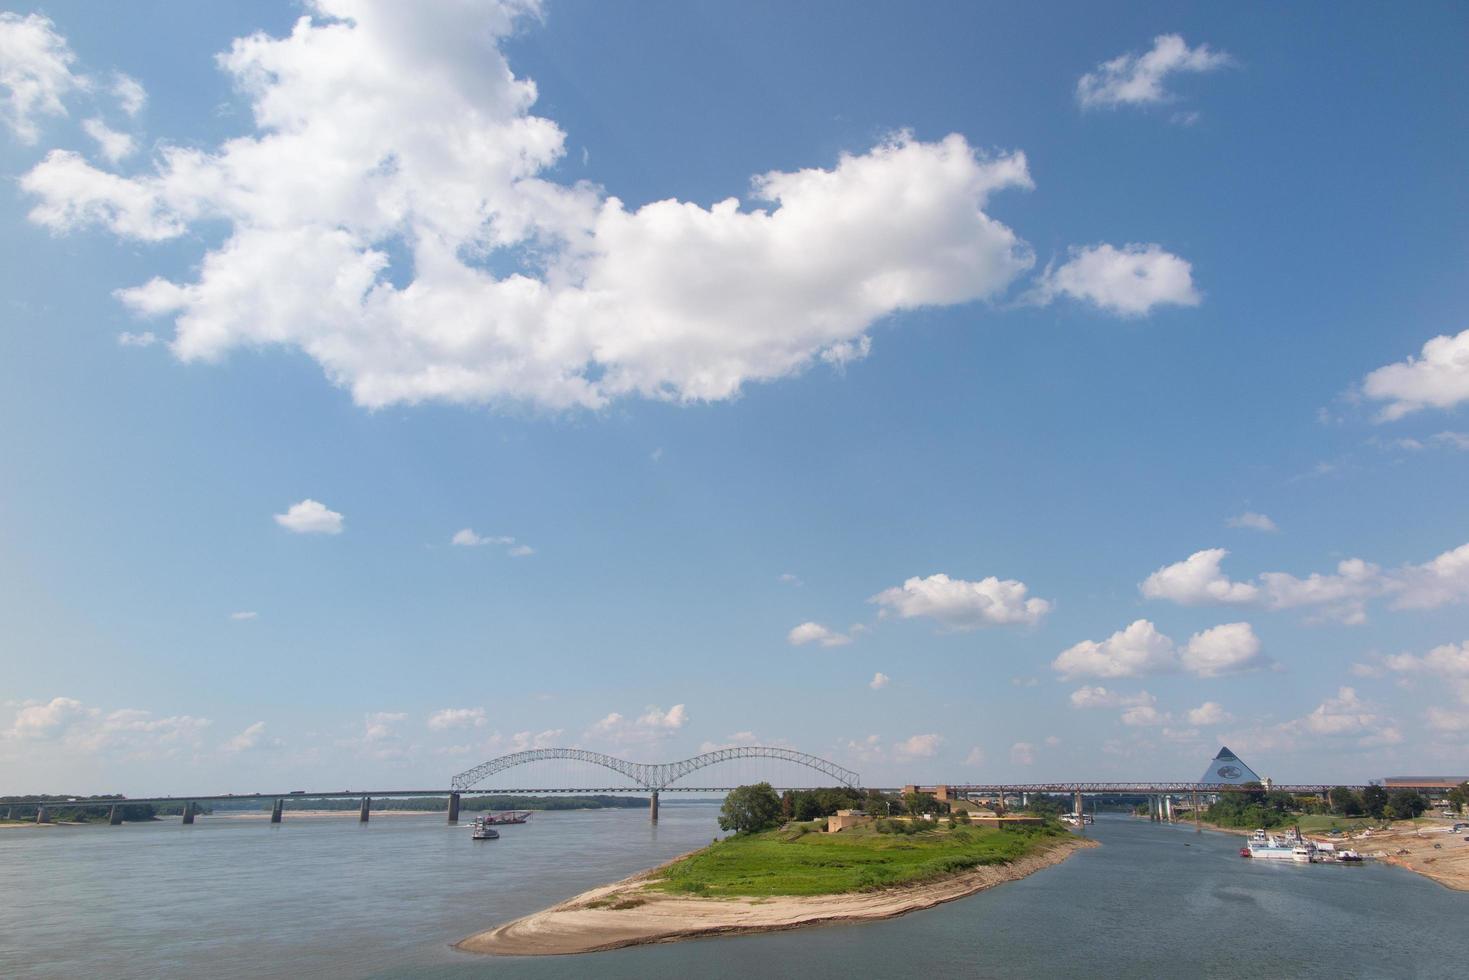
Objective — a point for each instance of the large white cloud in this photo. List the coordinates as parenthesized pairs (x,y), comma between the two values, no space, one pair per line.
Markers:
(963,605)
(1226,649)
(1437,378)
(70,723)
(1199,580)
(1140,650)
(1138,79)
(1127,281)
(35,73)
(383,129)
(1132,652)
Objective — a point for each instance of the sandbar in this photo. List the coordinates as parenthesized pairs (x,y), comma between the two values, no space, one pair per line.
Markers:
(591,922)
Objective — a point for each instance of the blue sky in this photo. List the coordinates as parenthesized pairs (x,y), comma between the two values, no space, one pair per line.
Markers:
(877,459)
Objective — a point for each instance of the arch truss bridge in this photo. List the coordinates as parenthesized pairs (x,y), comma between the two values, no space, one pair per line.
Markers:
(655,776)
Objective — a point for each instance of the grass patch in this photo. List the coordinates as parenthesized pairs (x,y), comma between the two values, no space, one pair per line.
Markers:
(787,862)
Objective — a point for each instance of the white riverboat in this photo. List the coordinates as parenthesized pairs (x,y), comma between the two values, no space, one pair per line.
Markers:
(1268,847)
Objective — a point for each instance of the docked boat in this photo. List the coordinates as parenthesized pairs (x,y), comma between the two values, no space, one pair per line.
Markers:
(1291,847)
(483,831)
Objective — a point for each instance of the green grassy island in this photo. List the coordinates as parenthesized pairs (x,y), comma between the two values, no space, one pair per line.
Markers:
(787,878)
(800,859)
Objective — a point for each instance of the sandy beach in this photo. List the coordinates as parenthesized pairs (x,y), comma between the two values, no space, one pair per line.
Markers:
(626,914)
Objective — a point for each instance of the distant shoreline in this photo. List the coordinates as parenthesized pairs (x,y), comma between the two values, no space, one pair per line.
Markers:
(592,922)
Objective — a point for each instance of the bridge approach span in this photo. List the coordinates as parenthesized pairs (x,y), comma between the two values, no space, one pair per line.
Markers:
(657,776)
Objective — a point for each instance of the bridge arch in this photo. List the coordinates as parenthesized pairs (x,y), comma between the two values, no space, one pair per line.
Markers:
(658,775)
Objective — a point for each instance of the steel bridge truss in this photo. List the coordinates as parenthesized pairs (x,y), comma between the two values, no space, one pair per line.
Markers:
(654,777)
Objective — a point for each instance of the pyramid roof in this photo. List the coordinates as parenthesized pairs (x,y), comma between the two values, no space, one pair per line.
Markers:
(1227,768)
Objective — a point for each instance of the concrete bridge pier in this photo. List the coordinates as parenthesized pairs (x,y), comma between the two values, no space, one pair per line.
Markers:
(453,807)
(1198,817)
(653,806)
(362,813)
(275,811)
(1000,803)
(189,812)
(42,815)
(1168,808)
(113,817)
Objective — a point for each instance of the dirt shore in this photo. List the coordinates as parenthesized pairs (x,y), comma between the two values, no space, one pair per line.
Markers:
(593,920)
(1447,863)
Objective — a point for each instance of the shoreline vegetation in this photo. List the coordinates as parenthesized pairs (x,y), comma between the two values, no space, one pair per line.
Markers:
(783,879)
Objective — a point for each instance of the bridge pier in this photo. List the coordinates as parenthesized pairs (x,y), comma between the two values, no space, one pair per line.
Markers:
(275,811)
(189,812)
(1000,803)
(653,806)
(113,817)
(1168,807)
(1198,817)
(453,807)
(362,813)
(42,815)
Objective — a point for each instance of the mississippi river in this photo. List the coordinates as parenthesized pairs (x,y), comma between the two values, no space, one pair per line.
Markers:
(329,898)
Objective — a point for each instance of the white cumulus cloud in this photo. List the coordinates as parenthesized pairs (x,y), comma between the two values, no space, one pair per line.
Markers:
(1139,79)
(113,145)
(962,605)
(310,517)
(1132,652)
(1197,580)
(1437,378)
(35,73)
(1226,649)
(385,129)
(1127,281)
(879,681)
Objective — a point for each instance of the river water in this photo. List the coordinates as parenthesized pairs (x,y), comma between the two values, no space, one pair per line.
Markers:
(328,898)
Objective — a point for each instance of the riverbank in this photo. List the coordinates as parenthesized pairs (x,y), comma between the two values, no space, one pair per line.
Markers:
(633,912)
(1425,847)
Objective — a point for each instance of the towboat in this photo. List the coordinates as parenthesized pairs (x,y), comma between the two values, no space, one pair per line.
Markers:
(483,831)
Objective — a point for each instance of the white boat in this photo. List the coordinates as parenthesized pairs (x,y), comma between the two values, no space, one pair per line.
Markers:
(1268,847)
(483,831)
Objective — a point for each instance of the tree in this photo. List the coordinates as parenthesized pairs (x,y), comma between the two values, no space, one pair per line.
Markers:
(1374,801)
(748,809)
(1459,797)
(1405,804)
(1344,802)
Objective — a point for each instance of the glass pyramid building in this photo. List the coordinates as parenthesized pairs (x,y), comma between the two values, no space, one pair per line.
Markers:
(1228,769)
